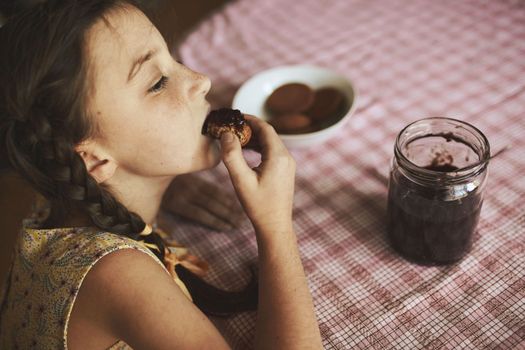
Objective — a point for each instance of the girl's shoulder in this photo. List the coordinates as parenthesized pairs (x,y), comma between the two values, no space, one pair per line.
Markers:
(151,310)
(77,245)
(48,270)
(73,247)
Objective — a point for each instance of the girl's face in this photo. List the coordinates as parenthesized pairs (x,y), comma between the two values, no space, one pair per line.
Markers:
(148,109)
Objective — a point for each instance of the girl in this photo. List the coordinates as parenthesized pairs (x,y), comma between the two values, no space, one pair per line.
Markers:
(100,119)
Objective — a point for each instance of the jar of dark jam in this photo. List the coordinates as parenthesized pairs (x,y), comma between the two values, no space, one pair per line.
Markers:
(436,187)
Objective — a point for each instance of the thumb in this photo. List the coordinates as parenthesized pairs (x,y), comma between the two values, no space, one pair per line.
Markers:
(233,158)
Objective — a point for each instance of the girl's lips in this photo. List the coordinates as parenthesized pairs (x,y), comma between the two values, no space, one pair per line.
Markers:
(205,122)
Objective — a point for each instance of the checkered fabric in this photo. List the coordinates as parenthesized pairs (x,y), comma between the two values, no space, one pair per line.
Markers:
(409,59)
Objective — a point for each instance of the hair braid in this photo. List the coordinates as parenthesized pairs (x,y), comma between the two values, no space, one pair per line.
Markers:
(57,171)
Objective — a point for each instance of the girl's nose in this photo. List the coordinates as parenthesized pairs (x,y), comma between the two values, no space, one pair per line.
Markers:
(200,84)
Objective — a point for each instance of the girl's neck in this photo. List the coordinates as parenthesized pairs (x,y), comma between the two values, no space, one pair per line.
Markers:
(141,195)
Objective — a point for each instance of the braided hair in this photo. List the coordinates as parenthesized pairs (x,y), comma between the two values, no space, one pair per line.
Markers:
(43,116)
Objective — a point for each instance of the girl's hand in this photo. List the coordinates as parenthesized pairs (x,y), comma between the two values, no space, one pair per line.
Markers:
(266,191)
(201,201)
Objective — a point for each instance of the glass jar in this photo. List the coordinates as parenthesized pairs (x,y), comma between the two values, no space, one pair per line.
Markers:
(438,174)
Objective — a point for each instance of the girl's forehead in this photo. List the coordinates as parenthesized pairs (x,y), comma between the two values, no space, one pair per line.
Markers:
(119,38)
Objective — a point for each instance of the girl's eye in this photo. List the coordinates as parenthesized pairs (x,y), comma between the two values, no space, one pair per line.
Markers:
(159,85)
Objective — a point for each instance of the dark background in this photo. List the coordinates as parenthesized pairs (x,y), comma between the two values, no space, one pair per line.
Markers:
(174,18)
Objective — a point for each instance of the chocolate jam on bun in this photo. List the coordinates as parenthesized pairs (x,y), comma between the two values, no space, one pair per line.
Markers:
(225,119)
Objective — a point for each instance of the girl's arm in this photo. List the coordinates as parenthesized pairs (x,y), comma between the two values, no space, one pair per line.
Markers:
(286,317)
(128,296)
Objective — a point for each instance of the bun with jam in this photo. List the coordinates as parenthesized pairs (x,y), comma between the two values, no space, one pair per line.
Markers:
(225,119)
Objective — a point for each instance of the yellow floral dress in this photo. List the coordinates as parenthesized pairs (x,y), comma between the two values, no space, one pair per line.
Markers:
(48,268)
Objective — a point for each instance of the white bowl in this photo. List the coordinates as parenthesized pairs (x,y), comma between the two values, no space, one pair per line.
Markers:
(252,95)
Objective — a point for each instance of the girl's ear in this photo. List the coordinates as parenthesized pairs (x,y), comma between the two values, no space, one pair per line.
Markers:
(98,162)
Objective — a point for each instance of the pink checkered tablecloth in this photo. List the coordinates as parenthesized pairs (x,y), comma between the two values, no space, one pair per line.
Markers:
(409,59)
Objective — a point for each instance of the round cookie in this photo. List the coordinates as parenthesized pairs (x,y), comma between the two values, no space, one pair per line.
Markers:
(225,119)
(291,123)
(290,98)
(327,103)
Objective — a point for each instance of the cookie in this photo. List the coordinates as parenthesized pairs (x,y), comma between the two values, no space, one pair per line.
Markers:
(225,119)
(290,98)
(291,123)
(327,103)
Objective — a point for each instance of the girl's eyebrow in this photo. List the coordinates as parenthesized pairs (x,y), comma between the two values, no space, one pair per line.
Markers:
(135,67)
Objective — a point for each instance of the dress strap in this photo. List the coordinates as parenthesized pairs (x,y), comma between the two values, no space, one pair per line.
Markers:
(175,254)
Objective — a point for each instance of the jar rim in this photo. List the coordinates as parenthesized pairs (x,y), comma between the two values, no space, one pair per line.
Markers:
(433,176)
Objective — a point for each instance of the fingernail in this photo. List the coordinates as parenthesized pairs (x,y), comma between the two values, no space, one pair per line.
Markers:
(227,136)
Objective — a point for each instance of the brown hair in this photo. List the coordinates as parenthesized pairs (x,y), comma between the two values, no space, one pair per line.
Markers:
(43,116)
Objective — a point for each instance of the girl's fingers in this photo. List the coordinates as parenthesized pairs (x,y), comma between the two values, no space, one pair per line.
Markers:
(268,140)
(219,205)
(234,160)
(200,200)
(219,202)
(203,216)
(209,191)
